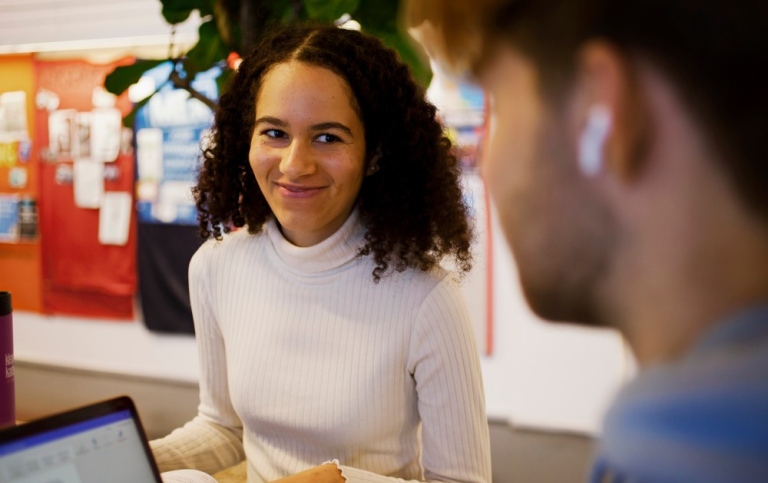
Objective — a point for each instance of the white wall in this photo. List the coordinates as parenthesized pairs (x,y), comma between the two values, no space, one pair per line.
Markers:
(119,347)
(547,376)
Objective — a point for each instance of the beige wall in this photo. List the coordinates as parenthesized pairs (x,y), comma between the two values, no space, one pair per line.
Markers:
(163,405)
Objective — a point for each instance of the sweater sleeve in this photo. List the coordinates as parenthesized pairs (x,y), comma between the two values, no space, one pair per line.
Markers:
(212,441)
(445,365)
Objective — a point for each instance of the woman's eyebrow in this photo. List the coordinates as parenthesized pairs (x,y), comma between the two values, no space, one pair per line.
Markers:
(270,120)
(331,125)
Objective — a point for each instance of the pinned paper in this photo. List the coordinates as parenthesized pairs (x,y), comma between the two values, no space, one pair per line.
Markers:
(174,196)
(88,184)
(13,115)
(149,154)
(60,125)
(106,134)
(115,218)
(47,100)
(81,135)
(17,178)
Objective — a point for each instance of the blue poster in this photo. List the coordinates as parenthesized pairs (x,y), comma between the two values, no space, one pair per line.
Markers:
(9,218)
(169,133)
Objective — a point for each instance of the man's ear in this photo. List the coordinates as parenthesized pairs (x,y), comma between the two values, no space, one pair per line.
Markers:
(610,113)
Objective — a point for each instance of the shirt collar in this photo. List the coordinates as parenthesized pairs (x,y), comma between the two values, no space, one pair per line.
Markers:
(331,253)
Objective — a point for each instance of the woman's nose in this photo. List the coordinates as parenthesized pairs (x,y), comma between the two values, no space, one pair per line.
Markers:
(297,160)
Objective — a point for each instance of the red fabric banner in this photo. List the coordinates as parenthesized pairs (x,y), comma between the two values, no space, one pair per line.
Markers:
(81,275)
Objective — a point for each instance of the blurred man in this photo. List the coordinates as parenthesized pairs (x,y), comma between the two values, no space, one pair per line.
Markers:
(628,161)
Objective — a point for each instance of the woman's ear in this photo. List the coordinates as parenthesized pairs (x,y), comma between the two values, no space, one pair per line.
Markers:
(612,119)
(373,163)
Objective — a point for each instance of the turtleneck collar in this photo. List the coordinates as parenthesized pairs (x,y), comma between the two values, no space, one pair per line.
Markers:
(333,252)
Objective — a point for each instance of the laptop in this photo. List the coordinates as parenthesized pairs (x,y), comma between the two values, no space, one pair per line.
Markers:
(100,442)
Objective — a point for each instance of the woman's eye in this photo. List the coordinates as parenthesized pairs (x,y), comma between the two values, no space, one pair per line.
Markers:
(273,133)
(327,138)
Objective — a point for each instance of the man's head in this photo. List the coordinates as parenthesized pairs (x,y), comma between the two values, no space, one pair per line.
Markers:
(611,121)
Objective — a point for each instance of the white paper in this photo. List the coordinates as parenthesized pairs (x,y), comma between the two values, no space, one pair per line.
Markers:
(88,184)
(172,195)
(13,115)
(115,218)
(60,125)
(47,100)
(100,97)
(81,135)
(149,154)
(106,134)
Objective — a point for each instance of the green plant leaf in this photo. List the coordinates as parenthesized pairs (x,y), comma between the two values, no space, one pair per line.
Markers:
(206,7)
(330,9)
(129,119)
(227,21)
(409,52)
(177,11)
(286,12)
(209,50)
(222,81)
(377,15)
(189,70)
(382,19)
(123,77)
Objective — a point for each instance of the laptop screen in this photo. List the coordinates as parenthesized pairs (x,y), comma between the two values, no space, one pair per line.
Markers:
(97,443)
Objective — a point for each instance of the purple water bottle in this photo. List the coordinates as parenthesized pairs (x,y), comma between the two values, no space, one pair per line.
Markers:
(7,390)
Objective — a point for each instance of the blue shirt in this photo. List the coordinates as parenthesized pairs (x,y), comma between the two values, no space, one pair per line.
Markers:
(702,419)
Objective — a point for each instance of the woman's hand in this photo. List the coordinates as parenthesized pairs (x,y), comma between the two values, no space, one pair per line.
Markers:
(328,473)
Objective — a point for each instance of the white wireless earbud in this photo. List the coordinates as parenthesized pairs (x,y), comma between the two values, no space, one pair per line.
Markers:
(592,140)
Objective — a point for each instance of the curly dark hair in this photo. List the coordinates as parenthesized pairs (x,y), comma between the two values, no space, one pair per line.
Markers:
(413,208)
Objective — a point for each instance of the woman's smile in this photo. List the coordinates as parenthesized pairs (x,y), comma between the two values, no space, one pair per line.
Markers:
(292,191)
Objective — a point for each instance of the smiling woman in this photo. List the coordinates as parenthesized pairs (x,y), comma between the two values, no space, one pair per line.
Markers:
(333,346)
(308,150)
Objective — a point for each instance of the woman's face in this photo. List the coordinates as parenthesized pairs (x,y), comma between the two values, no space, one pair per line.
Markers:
(307,150)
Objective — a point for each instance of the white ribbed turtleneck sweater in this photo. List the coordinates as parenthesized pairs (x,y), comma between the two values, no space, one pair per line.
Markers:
(304,359)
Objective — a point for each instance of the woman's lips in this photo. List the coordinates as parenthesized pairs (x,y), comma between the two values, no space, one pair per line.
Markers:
(298,191)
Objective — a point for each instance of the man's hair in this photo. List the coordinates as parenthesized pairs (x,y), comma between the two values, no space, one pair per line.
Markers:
(714,51)
(413,207)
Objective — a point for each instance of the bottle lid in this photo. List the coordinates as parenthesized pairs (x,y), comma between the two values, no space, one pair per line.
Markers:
(5,303)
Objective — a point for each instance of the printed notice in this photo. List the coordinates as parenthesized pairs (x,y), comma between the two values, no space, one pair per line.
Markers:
(106,134)
(88,184)
(115,218)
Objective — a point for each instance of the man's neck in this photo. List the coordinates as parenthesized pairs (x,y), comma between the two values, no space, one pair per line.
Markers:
(697,264)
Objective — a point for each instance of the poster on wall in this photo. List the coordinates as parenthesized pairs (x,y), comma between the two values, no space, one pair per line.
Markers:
(13,116)
(169,132)
(15,143)
(18,218)
(9,218)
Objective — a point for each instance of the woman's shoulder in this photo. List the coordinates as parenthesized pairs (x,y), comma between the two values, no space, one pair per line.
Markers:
(232,244)
(425,284)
